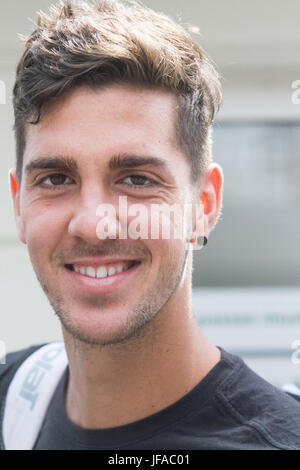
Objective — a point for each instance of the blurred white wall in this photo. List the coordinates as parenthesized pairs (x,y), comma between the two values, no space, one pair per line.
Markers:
(255,46)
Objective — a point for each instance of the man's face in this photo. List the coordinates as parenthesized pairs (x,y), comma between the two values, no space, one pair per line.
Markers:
(104,135)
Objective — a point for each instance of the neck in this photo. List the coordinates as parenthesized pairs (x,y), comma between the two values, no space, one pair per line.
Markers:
(118,384)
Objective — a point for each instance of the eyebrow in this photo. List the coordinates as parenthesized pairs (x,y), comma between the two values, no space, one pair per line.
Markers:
(131,161)
(56,163)
(117,162)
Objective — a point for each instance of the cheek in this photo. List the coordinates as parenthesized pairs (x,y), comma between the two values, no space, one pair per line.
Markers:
(167,261)
(156,222)
(43,228)
(165,254)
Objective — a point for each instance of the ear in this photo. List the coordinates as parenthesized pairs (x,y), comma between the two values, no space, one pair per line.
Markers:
(210,198)
(15,194)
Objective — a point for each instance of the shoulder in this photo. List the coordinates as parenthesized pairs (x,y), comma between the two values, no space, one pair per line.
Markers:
(292,390)
(15,358)
(253,402)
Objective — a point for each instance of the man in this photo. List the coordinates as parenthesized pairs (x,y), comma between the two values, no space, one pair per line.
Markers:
(115,101)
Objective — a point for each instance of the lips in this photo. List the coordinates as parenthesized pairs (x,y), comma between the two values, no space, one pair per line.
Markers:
(85,281)
(101,271)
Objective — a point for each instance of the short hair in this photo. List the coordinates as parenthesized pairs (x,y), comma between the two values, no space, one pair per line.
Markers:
(117,42)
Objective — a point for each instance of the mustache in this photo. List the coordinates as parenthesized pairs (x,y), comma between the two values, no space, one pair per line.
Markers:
(111,248)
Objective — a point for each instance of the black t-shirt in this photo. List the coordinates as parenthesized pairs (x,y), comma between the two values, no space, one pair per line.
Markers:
(231,408)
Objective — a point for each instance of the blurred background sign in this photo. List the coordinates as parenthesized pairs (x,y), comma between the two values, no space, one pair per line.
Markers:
(261,325)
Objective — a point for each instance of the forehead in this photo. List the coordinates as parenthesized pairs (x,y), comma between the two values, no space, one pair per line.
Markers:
(105,122)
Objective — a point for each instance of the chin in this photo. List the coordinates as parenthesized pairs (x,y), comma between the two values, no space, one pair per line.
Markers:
(109,334)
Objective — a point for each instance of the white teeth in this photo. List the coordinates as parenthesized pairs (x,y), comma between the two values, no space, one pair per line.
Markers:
(111,270)
(119,268)
(102,272)
(90,271)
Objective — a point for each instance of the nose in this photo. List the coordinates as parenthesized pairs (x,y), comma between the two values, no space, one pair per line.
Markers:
(93,218)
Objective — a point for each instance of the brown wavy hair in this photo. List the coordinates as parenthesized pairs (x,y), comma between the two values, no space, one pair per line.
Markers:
(108,42)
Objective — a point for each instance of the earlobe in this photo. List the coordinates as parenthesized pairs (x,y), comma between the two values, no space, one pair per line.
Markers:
(14,189)
(200,231)
(210,205)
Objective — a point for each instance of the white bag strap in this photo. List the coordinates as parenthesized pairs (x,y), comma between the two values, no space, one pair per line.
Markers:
(291,388)
(29,395)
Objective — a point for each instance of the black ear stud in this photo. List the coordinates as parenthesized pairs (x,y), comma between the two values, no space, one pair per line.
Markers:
(202,241)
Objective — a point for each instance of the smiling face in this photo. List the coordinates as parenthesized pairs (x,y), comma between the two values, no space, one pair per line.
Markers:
(90,148)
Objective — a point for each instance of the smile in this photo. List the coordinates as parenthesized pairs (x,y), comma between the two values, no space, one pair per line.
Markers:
(96,278)
(102,271)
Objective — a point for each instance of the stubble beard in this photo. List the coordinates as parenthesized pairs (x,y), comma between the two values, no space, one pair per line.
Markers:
(139,324)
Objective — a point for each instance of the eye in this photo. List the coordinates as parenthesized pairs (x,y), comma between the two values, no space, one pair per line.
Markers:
(55,180)
(139,180)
